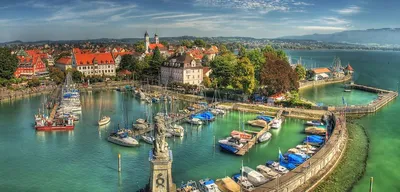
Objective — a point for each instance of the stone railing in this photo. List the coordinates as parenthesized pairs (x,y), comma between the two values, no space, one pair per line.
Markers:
(314,168)
(305,84)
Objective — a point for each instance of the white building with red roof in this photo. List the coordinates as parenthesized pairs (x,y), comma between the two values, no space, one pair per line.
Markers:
(94,63)
(183,68)
(64,63)
(150,47)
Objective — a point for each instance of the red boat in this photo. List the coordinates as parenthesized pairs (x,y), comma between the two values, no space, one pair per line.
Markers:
(241,135)
(63,125)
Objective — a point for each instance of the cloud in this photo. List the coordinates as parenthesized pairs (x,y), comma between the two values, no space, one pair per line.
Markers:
(262,6)
(332,21)
(322,28)
(302,3)
(348,10)
(177,16)
(86,9)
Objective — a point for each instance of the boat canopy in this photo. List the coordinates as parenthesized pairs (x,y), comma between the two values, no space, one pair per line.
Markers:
(209,182)
(295,159)
(265,118)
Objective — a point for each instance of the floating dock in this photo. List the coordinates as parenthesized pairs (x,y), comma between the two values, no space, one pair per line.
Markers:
(254,140)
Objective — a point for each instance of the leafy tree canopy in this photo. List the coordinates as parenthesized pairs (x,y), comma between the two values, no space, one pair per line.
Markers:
(139,47)
(8,63)
(244,76)
(199,43)
(301,72)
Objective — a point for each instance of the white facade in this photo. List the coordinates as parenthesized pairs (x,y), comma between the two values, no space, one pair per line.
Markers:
(190,73)
(88,70)
(117,61)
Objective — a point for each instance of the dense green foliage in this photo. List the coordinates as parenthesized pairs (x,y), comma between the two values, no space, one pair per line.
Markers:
(187,43)
(34,82)
(223,67)
(352,165)
(77,76)
(301,72)
(57,75)
(165,43)
(244,76)
(257,59)
(199,43)
(139,47)
(8,63)
(206,82)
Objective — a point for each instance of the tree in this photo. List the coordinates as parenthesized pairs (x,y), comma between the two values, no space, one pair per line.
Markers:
(139,47)
(310,74)
(206,82)
(165,43)
(126,62)
(206,61)
(277,76)
(257,59)
(155,63)
(301,72)
(34,82)
(187,43)
(57,75)
(76,75)
(199,43)
(282,55)
(8,63)
(223,50)
(242,52)
(223,67)
(244,76)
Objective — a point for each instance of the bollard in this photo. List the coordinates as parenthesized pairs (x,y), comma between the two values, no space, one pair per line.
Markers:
(119,162)
(371,183)
(214,141)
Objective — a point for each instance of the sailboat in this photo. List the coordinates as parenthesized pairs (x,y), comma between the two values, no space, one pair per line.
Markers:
(241,135)
(148,138)
(105,119)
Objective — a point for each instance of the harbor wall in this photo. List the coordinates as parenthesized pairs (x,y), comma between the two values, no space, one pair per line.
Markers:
(307,84)
(7,95)
(319,165)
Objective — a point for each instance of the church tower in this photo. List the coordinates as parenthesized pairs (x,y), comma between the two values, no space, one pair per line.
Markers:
(146,42)
(156,38)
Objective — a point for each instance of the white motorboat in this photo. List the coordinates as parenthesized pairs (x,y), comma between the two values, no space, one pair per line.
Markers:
(231,142)
(267,172)
(122,139)
(104,120)
(245,184)
(276,123)
(194,121)
(148,139)
(208,185)
(265,137)
(176,130)
(253,176)
(276,167)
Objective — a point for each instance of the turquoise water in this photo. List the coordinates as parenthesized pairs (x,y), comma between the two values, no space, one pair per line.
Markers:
(379,69)
(332,95)
(82,160)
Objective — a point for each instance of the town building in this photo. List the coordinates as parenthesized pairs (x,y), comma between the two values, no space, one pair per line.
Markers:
(321,73)
(30,64)
(183,68)
(348,70)
(64,63)
(206,71)
(94,63)
(150,47)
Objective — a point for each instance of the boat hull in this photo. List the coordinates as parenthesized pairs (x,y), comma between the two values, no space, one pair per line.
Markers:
(104,122)
(55,128)
(119,142)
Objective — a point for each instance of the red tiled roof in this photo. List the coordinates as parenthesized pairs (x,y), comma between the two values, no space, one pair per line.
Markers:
(349,67)
(125,72)
(277,95)
(64,60)
(205,70)
(89,58)
(321,70)
(154,45)
(115,54)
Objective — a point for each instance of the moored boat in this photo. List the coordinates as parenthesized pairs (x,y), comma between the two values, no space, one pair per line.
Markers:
(265,137)
(234,142)
(194,121)
(315,130)
(240,135)
(104,120)
(208,185)
(314,123)
(147,139)
(227,185)
(229,148)
(176,130)
(267,172)
(190,186)
(243,182)
(55,125)
(253,176)
(276,123)
(122,138)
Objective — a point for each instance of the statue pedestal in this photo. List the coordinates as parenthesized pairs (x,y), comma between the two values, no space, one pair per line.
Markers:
(161,175)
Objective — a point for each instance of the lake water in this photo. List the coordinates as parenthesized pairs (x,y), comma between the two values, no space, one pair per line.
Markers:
(374,68)
(83,160)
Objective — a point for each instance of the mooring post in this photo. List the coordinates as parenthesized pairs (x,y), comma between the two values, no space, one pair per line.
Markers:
(371,183)
(119,162)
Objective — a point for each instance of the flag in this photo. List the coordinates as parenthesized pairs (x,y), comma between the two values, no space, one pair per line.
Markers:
(281,158)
